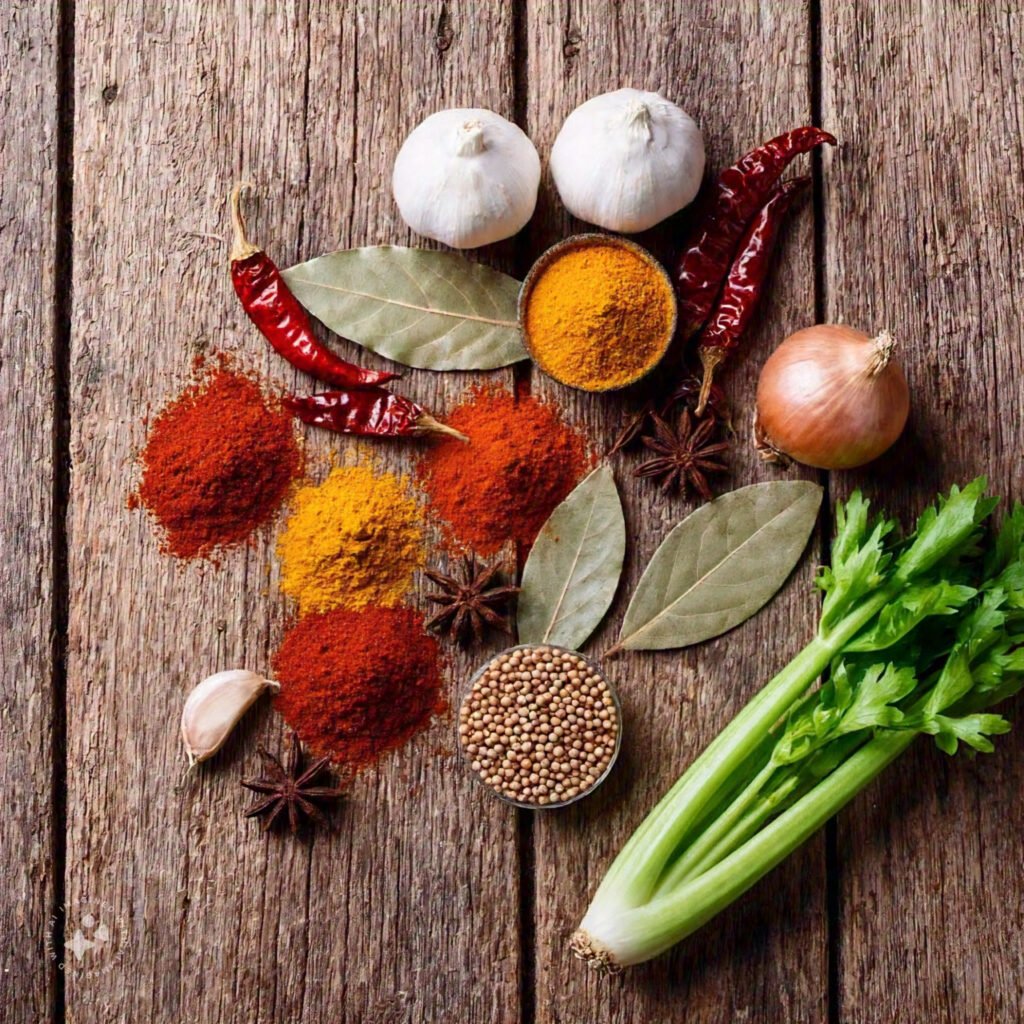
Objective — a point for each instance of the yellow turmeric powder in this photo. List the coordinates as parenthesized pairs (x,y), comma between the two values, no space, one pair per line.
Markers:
(353,541)
(599,314)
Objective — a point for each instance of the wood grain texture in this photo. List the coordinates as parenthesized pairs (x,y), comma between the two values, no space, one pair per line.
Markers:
(28,237)
(411,911)
(416,892)
(764,959)
(923,234)
(431,923)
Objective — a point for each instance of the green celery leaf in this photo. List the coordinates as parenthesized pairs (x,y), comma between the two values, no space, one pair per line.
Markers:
(859,559)
(911,608)
(998,677)
(1011,580)
(875,693)
(947,529)
(973,730)
(955,682)
(1008,550)
(856,698)
(985,624)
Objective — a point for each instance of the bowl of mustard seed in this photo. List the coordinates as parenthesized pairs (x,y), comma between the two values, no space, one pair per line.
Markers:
(597,312)
(540,726)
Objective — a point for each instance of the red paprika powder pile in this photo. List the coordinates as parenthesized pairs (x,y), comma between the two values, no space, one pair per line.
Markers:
(217,463)
(521,461)
(356,684)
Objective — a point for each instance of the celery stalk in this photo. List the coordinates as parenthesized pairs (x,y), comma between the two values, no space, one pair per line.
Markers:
(919,637)
(646,931)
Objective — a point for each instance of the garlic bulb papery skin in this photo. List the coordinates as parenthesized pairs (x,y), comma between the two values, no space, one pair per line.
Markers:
(466,177)
(214,707)
(627,159)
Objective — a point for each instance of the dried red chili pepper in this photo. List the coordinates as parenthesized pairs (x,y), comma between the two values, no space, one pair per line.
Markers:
(687,392)
(370,412)
(744,285)
(741,190)
(280,317)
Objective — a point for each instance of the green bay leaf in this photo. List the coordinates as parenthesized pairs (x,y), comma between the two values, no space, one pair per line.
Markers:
(435,310)
(720,565)
(573,569)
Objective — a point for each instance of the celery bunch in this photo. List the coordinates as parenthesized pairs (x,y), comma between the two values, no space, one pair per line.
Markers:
(918,636)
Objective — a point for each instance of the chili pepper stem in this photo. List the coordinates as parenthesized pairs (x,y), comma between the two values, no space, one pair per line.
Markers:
(711,359)
(427,424)
(241,247)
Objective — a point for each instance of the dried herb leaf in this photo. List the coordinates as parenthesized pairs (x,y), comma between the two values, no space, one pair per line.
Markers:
(720,565)
(574,567)
(434,310)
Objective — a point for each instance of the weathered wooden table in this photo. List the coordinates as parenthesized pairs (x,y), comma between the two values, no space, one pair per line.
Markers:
(121,126)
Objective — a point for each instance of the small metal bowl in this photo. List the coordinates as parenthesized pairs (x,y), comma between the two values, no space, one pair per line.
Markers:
(593,238)
(467,760)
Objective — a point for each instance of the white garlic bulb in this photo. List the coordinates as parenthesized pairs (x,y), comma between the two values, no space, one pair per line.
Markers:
(628,159)
(214,707)
(466,177)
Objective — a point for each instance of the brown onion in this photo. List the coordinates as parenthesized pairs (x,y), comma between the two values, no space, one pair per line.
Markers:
(831,397)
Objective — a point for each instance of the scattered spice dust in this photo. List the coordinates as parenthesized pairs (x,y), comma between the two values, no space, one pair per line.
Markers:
(353,541)
(357,684)
(218,462)
(522,460)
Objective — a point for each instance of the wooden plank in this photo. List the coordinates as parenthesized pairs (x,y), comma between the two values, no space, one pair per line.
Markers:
(923,236)
(432,926)
(28,243)
(766,958)
(381,921)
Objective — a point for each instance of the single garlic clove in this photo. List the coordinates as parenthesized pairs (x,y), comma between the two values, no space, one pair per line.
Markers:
(214,707)
(626,160)
(466,177)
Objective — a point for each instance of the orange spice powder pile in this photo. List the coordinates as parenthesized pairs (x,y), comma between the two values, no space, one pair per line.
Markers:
(217,464)
(357,684)
(522,460)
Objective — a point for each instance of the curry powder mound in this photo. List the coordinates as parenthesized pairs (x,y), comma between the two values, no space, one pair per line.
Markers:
(353,541)
(599,316)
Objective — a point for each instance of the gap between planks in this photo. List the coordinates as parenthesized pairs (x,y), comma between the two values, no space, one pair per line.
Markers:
(61,461)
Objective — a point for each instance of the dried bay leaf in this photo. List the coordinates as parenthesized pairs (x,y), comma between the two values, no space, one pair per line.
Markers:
(720,565)
(573,569)
(434,310)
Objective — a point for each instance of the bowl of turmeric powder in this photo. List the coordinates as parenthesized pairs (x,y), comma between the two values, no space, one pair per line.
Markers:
(597,312)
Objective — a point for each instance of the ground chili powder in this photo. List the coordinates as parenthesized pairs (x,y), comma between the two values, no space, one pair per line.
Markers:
(522,460)
(218,462)
(356,684)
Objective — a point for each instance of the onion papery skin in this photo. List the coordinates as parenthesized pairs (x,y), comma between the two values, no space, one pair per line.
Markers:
(831,397)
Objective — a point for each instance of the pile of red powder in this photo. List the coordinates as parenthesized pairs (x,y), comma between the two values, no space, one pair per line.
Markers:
(356,684)
(218,462)
(522,460)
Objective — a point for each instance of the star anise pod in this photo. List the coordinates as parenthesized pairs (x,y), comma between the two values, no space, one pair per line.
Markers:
(685,393)
(469,605)
(633,428)
(683,457)
(288,790)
